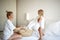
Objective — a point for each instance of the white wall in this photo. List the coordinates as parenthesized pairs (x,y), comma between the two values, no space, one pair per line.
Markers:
(9,5)
(51,8)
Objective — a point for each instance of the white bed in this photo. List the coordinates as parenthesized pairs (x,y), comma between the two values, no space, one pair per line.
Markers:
(52,33)
(29,38)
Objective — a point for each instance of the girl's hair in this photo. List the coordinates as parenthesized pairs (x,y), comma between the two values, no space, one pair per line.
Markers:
(40,11)
(8,13)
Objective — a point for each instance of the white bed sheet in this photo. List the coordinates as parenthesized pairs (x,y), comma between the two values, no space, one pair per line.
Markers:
(52,33)
(46,37)
(29,38)
(50,36)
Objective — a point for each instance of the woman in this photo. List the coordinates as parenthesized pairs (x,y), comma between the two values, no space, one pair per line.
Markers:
(9,27)
(38,25)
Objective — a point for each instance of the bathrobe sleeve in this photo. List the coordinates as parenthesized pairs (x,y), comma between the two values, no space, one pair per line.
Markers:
(8,31)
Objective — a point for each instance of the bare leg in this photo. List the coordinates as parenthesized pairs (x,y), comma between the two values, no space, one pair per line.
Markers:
(15,37)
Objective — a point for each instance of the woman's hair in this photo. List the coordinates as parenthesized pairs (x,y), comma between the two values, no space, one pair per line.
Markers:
(8,13)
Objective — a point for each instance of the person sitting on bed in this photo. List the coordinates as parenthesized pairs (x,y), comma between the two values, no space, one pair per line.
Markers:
(37,25)
(9,27)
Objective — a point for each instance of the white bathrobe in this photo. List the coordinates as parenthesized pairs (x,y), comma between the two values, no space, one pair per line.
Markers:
(8,30)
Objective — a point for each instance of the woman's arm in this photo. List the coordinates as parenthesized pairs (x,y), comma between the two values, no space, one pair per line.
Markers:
(40,33)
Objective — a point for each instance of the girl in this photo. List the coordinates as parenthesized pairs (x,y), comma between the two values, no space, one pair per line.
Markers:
(41,22)
(37,25)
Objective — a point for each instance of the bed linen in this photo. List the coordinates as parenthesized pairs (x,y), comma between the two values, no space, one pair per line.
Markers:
(50,36)
(51,33)
(29,38)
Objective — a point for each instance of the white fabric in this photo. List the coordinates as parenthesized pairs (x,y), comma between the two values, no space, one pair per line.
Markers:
(34,26)
(29,38)
(34,22)
(53,32)
(8,31)
(54,28)
(42,21)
